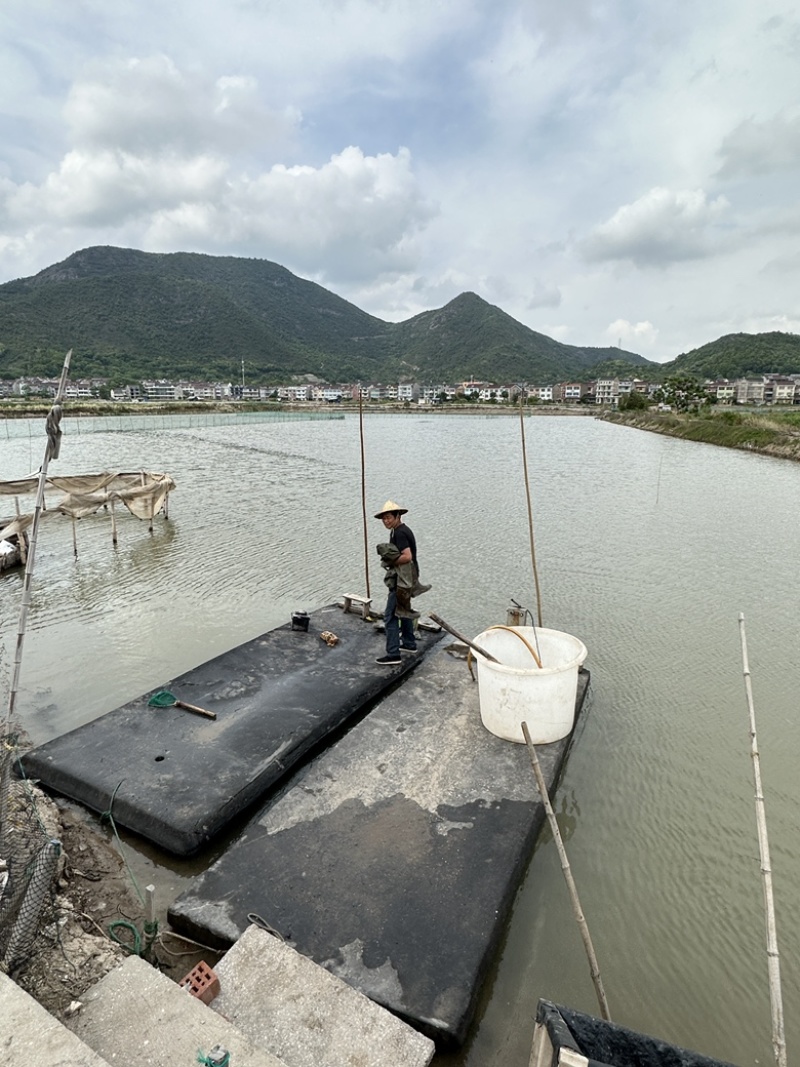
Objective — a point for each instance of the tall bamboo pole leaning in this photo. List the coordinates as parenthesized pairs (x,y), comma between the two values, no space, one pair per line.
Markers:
(773,956)
(530,510)
(363,486)
(565,867)
(51,452)
(23,550)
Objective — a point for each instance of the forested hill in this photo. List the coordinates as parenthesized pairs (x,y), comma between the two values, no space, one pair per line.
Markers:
(130,315)
(737,355)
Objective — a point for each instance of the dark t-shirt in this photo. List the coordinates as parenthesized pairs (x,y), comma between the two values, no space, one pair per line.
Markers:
(404,538)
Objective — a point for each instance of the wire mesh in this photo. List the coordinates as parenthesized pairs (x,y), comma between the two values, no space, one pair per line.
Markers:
(29,864)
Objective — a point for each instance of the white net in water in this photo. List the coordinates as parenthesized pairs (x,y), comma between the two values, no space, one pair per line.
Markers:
(143,493)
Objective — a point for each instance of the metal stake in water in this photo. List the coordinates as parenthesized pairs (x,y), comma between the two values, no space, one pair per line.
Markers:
(515,616)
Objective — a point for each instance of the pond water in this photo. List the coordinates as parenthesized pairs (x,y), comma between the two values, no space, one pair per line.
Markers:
(647,549)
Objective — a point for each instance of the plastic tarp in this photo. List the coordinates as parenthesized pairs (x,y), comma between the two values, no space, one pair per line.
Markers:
(143,493)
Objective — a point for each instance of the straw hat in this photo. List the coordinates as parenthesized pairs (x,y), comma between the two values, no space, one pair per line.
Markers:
(390,506)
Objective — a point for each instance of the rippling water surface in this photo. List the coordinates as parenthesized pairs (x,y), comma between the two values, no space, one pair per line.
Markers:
(647,548)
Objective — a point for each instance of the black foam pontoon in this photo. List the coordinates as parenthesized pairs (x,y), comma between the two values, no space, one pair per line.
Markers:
(392,858)
(562,1030)
(177,778)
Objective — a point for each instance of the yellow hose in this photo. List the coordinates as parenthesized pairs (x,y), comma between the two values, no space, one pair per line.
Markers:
(524,640)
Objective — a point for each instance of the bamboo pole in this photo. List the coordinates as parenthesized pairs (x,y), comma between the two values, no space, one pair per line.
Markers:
(565,867)
(51,451)
(74,537)
(530,512)
(113,524)
(363,486)
(152,505)
(466,640)
(773,955)
(23,548)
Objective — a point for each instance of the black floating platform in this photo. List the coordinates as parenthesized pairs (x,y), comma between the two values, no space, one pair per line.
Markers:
(559,1029)
(393,858)
(177,778)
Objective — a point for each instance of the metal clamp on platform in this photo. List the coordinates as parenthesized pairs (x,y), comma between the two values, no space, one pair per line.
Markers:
(363,604)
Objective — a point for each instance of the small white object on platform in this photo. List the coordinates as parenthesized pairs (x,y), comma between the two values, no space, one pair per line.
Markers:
(363,603)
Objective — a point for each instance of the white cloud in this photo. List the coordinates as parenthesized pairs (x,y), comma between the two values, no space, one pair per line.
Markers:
(633,336)
(109,187)
(146,106)
(761,147)
(543,294)
(770,323)
(660,228)
(350,219)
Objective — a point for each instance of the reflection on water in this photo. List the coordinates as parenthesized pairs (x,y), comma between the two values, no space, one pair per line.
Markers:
(567,812)
(647,549)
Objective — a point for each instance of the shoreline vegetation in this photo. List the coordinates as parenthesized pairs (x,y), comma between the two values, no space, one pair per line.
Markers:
(767,431)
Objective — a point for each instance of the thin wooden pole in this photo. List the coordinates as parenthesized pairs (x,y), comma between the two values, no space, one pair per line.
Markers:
(466,640)
(51,451)
(113,524)
(363,486)
(23,547)
(565,867)
(773,955)
(152,499)
(530,511)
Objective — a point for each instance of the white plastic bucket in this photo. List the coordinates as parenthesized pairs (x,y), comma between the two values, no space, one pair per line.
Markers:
(515,690)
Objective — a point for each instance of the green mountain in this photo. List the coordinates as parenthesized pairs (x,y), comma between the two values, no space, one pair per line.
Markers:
(738,355)
(469,338)
(130,315)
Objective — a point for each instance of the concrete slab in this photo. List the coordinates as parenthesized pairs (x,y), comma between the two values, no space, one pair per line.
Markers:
(394,857)
(137,1017)
(305,1015)
(177,778)
(31,1037)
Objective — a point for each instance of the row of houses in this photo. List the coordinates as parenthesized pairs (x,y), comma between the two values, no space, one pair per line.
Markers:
(767,389)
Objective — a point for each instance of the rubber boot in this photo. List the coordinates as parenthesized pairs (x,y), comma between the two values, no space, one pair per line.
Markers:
(404,609)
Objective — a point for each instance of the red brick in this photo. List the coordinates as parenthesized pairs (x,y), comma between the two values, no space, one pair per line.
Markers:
(202,983)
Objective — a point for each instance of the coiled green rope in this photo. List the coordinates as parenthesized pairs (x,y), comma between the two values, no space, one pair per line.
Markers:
(135,947)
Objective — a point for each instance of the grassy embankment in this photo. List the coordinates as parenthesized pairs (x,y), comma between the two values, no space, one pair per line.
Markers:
(770,432)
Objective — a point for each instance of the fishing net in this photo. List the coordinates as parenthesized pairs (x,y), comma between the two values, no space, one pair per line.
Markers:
(143,493)
(29,863)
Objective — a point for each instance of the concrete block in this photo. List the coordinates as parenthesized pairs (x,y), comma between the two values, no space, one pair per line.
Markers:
(138,1017)
(307,1016)
(31,1037)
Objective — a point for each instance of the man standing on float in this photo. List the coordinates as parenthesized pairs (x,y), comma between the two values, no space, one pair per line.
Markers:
(399,631)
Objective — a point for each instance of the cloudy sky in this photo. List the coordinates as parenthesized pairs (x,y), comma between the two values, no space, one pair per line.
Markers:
(606,171)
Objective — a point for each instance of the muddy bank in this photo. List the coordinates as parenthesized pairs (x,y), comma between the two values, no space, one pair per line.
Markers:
(75,947)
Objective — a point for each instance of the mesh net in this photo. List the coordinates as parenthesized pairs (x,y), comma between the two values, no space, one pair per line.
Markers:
(29,861)
(143,493)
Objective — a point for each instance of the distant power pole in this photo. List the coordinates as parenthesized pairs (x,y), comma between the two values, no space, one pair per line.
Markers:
(242,374)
